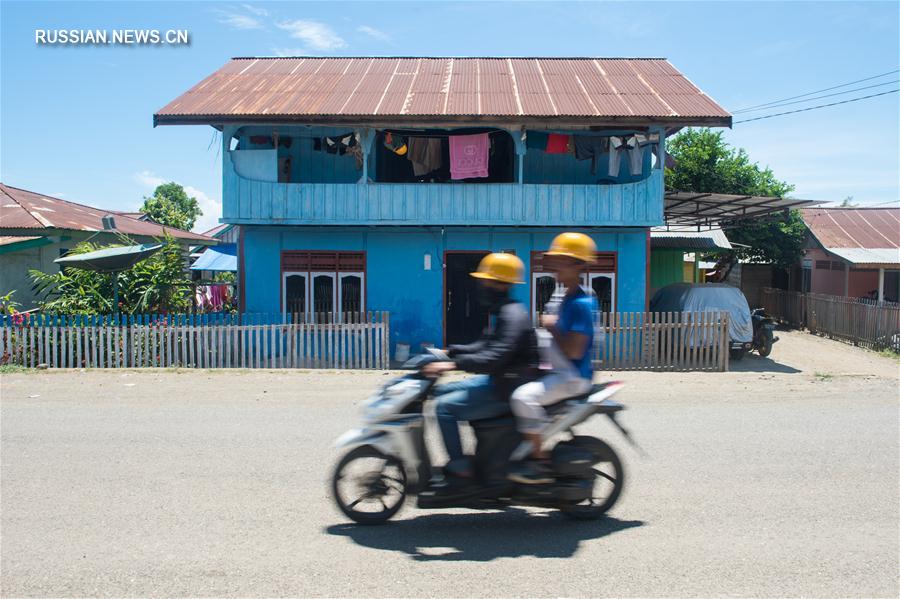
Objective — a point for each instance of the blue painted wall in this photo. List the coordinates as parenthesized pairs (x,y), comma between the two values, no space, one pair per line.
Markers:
(396,279)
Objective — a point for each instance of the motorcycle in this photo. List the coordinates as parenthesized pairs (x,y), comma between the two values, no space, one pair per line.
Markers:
(388,460)
(763,332)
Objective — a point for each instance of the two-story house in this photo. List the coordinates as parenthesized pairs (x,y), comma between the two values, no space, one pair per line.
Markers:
(379,183)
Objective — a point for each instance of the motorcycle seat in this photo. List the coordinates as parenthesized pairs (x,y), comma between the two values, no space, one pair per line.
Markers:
(566,402)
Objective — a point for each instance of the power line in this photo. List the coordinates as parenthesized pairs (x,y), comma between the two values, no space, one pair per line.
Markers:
(849,91)
(769,116)
(818,91)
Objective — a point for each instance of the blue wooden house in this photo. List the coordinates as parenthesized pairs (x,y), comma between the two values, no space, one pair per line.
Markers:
(378,183)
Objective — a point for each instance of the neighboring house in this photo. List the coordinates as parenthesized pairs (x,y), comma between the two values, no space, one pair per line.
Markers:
(36,229)
(853,252)
(337,172)
(207,262)
(674,254)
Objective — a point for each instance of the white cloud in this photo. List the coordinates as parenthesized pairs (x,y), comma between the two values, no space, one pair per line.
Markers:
(211,208)
(375,33)
(238,21)
(290,52)
(257,10)
(317,36)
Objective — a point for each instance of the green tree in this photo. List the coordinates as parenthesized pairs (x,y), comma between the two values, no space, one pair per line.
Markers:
(170,205)
(158,284)
(706,163)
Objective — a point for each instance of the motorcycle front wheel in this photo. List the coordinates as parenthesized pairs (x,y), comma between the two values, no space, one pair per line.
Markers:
(609,478)
(369,486)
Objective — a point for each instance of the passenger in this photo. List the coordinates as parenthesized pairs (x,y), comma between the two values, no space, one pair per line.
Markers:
(572,331)
(505,357)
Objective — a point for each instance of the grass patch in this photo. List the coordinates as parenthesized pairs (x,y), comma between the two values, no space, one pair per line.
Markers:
(11,368)
(823,376)
(890,354)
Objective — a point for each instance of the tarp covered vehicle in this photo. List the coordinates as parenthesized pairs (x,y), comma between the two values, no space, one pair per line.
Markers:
(705,297)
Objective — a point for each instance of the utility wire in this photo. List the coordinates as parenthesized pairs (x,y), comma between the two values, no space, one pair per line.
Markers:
(849,91)
(769,116)
(818,91)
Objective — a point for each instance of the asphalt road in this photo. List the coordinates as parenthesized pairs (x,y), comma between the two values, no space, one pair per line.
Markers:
(780,480)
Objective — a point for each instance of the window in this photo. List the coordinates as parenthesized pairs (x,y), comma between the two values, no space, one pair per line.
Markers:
(295,288)
(600,278)
(823,264)
(543,284)
(604,287)
(323,285)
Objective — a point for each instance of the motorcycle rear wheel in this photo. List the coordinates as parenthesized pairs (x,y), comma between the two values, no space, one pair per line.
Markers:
(765,348)
(608,473)
(371,487)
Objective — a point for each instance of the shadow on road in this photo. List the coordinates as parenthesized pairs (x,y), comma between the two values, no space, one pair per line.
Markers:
(482,537)
(753,363)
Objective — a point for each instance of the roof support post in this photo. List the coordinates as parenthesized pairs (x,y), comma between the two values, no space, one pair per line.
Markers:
(880,285)
(366,138)
(661,148)
(846,280)
(518,136)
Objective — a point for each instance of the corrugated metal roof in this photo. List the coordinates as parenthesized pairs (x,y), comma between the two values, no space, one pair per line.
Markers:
(22,209)
(689,240)
(858,235)
(868,255)
(10,239)
(578,90)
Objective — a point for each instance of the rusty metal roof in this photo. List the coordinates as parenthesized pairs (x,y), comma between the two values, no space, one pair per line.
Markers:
(25,211)
(369,89)
(858,235)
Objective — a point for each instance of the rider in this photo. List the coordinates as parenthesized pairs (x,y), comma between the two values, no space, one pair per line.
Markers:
(572,329)
(505,358)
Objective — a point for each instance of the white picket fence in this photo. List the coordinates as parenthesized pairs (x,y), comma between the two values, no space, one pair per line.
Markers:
(663,341)
(356,341)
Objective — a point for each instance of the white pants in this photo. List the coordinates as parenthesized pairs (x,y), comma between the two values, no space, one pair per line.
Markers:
(528,401)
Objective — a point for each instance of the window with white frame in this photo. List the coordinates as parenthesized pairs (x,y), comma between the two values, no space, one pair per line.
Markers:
(600,278)
(323,285)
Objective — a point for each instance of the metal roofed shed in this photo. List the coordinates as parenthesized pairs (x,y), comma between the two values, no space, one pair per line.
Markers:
(358,90)
(720,210)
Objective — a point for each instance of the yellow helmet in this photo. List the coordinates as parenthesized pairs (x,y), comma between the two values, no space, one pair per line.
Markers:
(574,245)
(505,268)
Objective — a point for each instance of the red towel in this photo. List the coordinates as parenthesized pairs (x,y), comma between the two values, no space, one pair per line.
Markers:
(557,144)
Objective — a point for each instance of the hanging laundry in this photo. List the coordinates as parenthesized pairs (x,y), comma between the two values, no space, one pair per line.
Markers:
(590,147)
(536,140)
(339,144)
(557,144)
(469,156)
(395,143)
(627,145)
(317,144)
(426,154)
(357,152)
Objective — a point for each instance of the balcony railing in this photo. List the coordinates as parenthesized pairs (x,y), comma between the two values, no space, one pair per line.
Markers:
(248,201)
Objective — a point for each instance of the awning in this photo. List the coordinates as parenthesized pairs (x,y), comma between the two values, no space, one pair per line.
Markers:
(718,210)
(222,257)
(111,259)
(683,239)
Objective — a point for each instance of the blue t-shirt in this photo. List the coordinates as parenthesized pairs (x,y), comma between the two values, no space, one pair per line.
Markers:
(576,315)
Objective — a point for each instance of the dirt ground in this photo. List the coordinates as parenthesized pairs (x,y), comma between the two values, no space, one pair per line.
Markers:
(778,478)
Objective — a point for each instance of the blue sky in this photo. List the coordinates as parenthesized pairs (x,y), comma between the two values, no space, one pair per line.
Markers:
(77,121)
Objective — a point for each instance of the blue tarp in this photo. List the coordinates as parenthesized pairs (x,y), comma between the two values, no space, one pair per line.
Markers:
(222,257)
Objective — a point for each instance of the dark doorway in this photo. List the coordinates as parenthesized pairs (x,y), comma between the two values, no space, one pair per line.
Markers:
(464,318)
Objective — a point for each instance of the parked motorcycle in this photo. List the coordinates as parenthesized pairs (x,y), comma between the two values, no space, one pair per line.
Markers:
(388,459)
(763,332)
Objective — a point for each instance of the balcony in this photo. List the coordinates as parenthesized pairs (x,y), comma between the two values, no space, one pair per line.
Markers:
(249,201)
